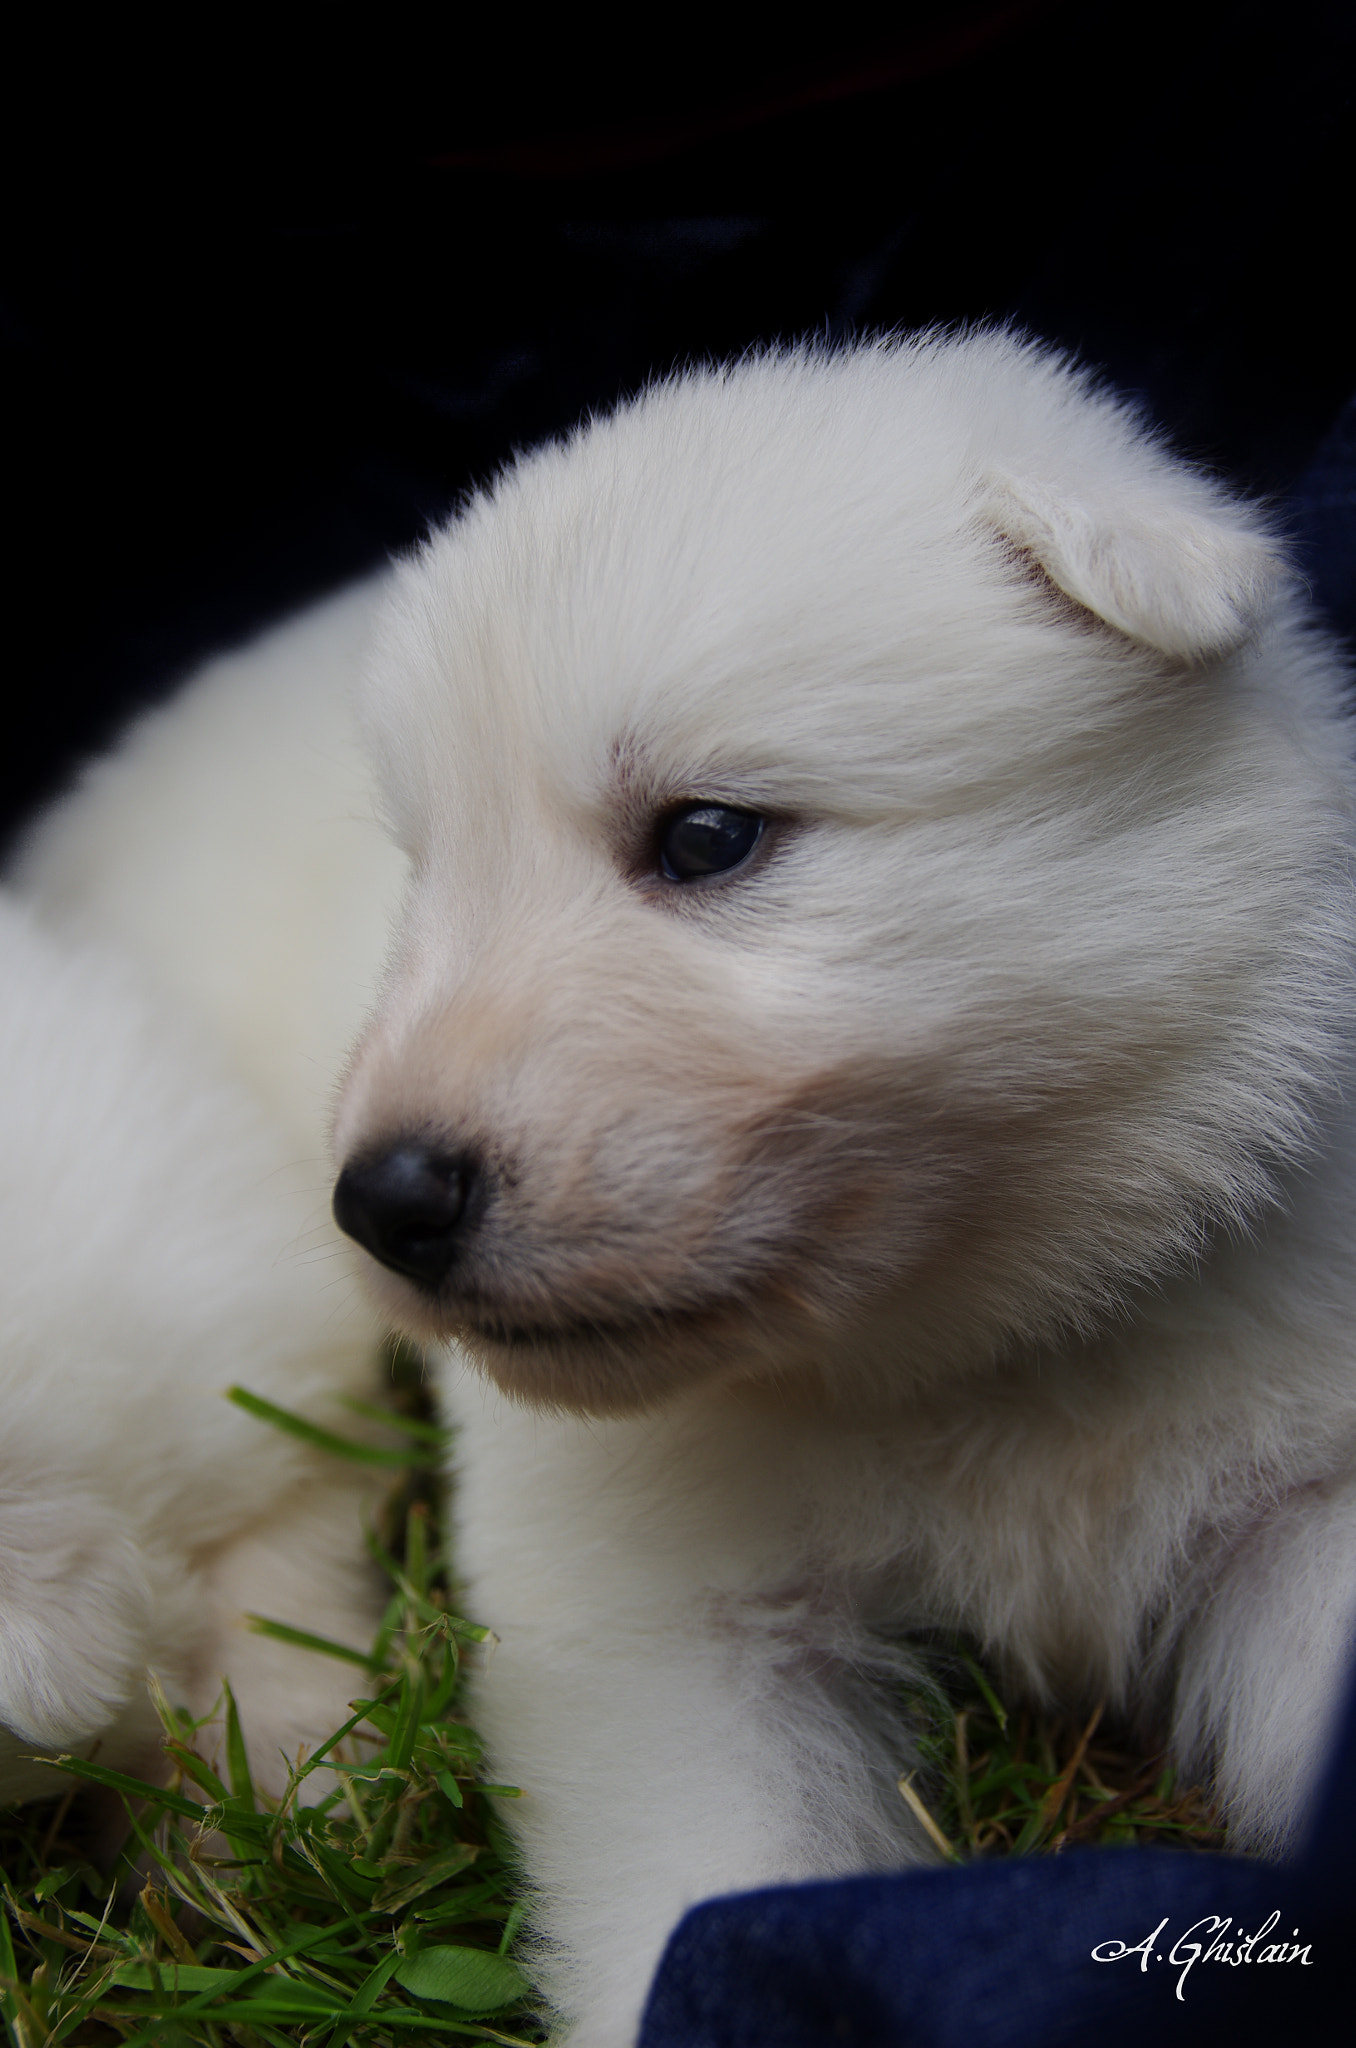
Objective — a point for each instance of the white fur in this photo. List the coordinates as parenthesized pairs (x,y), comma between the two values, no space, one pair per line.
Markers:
(154,1250)
(946,1219)
(228,847)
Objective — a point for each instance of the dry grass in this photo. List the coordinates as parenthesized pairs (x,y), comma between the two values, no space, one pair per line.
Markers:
(996,1782)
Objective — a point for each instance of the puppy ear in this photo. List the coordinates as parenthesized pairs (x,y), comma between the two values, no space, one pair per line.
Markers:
(1163,558)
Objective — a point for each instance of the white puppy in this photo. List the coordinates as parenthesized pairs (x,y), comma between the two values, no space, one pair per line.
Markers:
(858,1085)
(153,1249)
(859,1079)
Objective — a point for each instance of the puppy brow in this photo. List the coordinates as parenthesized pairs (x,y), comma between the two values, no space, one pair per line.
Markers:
(633,801)
(640,799)
(638,794)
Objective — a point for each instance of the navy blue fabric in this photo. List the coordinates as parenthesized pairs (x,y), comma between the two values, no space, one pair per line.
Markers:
(1001,1955)
(1323,522)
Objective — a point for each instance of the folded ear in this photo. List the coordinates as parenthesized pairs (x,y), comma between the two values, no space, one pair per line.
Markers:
(1162,557)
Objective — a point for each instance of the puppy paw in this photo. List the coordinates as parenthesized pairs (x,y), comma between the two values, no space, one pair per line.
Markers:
(75,1615)
(305,1565)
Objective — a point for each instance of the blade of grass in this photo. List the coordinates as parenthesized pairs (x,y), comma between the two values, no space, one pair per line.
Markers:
(364,1997)
(237,1756)
(924,1818)
(153,1906)
(318,1756)
(512,1924)
(471,1631)
(1043,1819)
(962,1782)
(986,1691)
(409,1713)
(416,1549)
(432,1433)
(133,1788)
(398,1894)
(321,1439)
(10,1978)
(302,1639)
(197,1771)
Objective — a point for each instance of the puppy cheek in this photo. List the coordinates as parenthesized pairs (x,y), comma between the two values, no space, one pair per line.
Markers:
(803,1225)
(866,1156)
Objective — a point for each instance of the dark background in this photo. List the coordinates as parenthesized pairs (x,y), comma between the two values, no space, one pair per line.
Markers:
(270,310)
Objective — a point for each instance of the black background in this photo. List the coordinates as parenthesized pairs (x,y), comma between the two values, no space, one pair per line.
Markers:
(270,305)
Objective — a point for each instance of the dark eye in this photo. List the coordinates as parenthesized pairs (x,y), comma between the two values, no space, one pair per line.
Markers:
(706,839)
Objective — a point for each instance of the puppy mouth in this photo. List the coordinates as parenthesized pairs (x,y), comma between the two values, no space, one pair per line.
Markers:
(623,1361)
(623,1333)
(535,1336)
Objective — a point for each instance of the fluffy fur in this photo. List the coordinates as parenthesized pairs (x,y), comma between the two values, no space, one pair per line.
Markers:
(153,1251)
(228,849)
(945,1218)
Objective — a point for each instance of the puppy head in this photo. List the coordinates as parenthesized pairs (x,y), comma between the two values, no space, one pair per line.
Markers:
(877,883)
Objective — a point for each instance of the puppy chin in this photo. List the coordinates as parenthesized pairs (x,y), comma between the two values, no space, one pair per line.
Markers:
(633,1358)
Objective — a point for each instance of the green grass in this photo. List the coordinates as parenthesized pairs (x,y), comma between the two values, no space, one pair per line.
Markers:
(383,1914)
(386,1913)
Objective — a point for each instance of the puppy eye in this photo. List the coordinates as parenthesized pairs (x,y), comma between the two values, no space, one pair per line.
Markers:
(706,839)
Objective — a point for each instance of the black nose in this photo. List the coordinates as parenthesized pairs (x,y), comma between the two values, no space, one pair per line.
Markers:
(408,1207)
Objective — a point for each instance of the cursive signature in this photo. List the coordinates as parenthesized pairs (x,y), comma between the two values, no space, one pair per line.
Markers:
(1206,1941)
